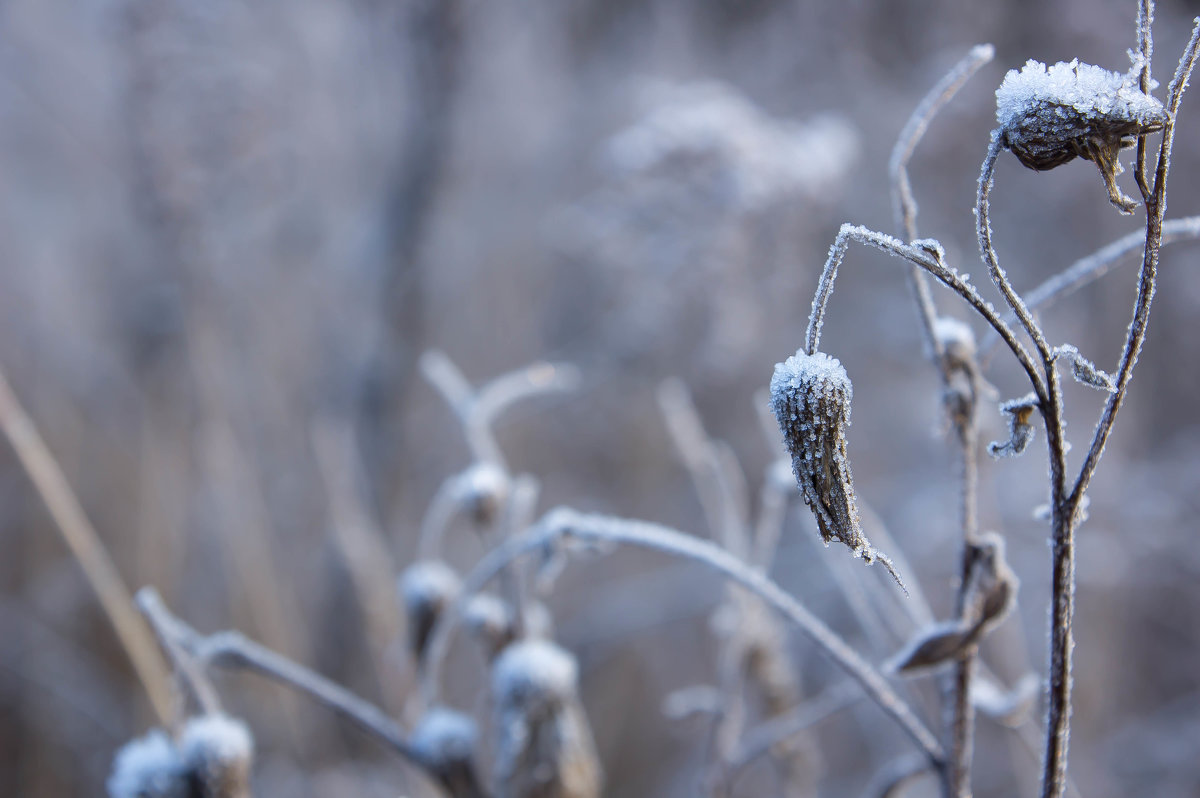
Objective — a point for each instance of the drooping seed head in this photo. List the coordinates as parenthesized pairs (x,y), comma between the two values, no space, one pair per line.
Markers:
(810,396)
(1050,115)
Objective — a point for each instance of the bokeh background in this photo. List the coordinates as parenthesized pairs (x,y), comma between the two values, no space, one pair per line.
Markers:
(229,228)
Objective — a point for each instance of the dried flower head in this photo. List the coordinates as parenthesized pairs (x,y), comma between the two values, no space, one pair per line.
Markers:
(445,740)
(490,621)
(427,588)
(544,748)
(483,491)
(810,396)
(217,752)
(1050,115)
(147,767)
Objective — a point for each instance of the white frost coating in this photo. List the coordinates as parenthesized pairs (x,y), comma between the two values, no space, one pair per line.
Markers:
(428,583)
(760,158)
(148,767)
(801,370)
(444,735)
(1086,90)
(534,671)
(215,740)
(487,615)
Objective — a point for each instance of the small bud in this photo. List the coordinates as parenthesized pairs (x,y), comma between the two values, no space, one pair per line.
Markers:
(483,490)
(810,396)
(444,739)
(490,621)
(1048,116)
(1020,431)
(427,588)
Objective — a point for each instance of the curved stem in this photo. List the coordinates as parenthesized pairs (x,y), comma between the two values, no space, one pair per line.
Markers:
(1092,267)
(929,262)
(904,204)
(983,228)
(562,525)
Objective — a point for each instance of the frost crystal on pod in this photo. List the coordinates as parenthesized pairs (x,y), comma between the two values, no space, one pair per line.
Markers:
(1050,115)
(810,396)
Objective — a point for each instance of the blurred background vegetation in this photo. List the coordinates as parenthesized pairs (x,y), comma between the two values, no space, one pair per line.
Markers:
(226,226)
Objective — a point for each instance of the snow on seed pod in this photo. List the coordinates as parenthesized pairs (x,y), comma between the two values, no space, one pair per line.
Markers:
(427,587)
(217,751)
(810,396)
(445,740)
(211,759)
(483,491)
(544,747)
(147,767)
(1050,115)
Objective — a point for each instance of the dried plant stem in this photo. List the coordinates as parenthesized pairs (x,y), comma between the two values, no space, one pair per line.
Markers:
(1092,267)
(233,650)
(767,735)
(1066,506)
(931,264)
(984,230)
(962,722)
(561,525)
(904,204)
(1145,36)
(81,537)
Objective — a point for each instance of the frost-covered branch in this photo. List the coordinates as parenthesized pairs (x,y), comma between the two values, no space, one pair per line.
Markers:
(233,650)
(929,260)
(563,525)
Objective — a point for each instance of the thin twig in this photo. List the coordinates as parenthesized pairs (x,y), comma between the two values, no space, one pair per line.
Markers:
(233,650)
(1092,267)
(563,524)
(762,738)
(1145,37)
(904,204)
(983,228)
(962,723)
(931,264)
(84,542)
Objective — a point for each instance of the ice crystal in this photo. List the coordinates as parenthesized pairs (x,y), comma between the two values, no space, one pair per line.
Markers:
(148,767)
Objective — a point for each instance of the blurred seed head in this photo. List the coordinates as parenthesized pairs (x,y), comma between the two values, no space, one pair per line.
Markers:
(217,751)
(810,396)
(445,739)
(483,491)
(427,587)
(544,748)
(489,620)
(211,759)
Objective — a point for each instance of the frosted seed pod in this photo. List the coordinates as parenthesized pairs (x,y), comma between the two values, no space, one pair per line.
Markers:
(217,751)
(1050,115)
(445,739)
(490,621)
(427,588)
(810,396)
(147,767)
(544,748)
(483,490)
